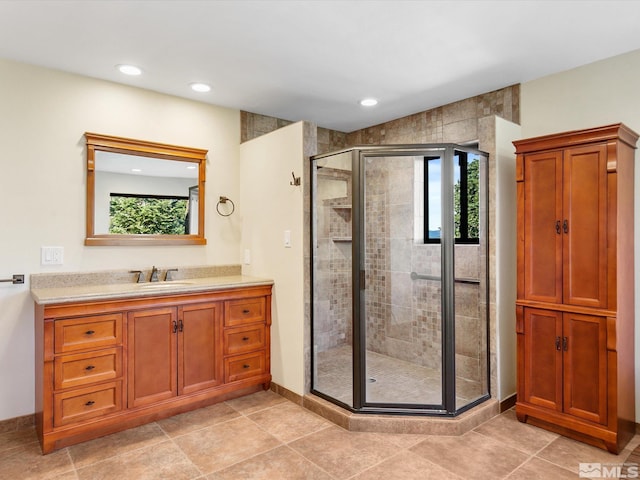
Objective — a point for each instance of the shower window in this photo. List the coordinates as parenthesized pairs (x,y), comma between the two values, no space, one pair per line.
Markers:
(466,200)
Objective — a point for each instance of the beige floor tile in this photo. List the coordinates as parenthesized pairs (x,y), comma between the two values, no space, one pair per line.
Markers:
(281,463)
(28,463)
(256,401)
(220,446)
(197,419)
(406,466)
(287,421)
(471,455)
(568,453)
(342,453)
(103,448)
(403,440)
(161,461)
(537,469)
(507,429)
(66,476)
(18,438)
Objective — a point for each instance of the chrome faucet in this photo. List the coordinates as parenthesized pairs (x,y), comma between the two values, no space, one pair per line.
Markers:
(154,274)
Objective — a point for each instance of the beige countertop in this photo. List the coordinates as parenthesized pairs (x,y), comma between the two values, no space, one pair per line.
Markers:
(78,293)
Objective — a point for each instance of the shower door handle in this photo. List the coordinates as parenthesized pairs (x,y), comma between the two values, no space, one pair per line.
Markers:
(362,280)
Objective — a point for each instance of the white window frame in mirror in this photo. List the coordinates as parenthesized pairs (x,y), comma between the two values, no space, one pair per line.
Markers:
(127,146)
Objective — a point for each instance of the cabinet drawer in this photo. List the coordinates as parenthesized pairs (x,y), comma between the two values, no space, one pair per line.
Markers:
(74,334)
(244,366)
(85,403)
(238,312)
(86,368)
(245,339)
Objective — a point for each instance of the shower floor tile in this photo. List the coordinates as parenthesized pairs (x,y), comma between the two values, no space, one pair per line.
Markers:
(389,380)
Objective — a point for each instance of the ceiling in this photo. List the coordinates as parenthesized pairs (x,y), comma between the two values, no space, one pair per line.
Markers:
(314,60)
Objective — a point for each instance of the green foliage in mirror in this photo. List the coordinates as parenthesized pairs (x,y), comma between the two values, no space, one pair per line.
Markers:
(151,216)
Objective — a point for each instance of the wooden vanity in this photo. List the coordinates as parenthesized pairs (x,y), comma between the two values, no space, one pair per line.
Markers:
(107,364)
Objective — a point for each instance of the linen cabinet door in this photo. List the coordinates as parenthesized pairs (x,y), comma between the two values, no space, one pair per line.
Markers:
(199,347)
(585,367)
(152,356)
(585,226)
(542,212)
(543,358)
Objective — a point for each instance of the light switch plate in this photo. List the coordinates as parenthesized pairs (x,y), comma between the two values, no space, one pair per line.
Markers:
(287,238)
(51,255)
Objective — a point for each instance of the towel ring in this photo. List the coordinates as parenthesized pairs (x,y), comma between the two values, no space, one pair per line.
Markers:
(225,200)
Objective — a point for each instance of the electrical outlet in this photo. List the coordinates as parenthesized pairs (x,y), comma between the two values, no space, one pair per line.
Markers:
(51,255)
(247,257)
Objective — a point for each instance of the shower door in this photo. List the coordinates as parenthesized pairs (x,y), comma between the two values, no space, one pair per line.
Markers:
(401,299)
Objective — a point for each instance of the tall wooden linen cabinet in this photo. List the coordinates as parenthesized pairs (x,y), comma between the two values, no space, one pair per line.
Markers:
(575,292)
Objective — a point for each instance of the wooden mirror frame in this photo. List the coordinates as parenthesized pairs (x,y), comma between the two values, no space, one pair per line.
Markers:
(128,146)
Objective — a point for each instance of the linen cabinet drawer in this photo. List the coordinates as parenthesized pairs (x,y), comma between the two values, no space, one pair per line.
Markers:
(73,334)
(85,368)
(239,312)
(245,339)
(244,366)
(85,403)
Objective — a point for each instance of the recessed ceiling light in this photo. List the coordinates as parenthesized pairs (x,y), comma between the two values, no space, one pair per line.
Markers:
(368,102)
(137,170)
(129,69)
(191,167)
(200,87)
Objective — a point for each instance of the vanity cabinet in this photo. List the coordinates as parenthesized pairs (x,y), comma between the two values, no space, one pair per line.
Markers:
(105,366)
(180,345)
(575,287)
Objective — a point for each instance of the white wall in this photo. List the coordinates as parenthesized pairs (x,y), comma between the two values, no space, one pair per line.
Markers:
(601,93)
(43,116)
(505,161)
(269,206)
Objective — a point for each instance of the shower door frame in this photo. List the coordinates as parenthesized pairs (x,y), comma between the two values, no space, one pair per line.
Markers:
(359,377)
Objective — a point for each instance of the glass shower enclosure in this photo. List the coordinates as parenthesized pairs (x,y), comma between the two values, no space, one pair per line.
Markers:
(399,278)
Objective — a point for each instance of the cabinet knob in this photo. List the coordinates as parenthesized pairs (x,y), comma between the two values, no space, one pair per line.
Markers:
(90,403)
(89,367)
(246,310)
(558,227)
(565,226)
(89,332)
(244,339)
(245,366)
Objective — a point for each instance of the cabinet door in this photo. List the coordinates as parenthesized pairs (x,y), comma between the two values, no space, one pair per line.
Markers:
(543,358)
(585,367)
(152,356)
(543,227)
(199,347)
(585,226)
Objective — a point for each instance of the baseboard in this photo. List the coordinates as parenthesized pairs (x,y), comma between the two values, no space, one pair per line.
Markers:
(286,393)
(508,403)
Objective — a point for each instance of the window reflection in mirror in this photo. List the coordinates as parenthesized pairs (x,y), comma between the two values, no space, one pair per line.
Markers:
(141,192)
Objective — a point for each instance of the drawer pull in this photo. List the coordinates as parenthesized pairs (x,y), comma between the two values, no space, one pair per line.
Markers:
(90,403)
(246,310)
(89,332)
(246,366)
(89,367)
(244,339)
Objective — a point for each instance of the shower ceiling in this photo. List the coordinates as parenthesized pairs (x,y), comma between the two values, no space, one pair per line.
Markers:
(315,60)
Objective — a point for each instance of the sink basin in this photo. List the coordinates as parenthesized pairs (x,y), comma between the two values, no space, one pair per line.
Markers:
(161,285)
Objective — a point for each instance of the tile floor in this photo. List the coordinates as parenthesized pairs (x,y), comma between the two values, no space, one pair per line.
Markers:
(264,436)
(396,381)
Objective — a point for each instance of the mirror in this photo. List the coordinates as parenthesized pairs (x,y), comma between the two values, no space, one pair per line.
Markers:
(144,193)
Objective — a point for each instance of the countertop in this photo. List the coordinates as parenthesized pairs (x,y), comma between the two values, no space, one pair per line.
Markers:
(77,293)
